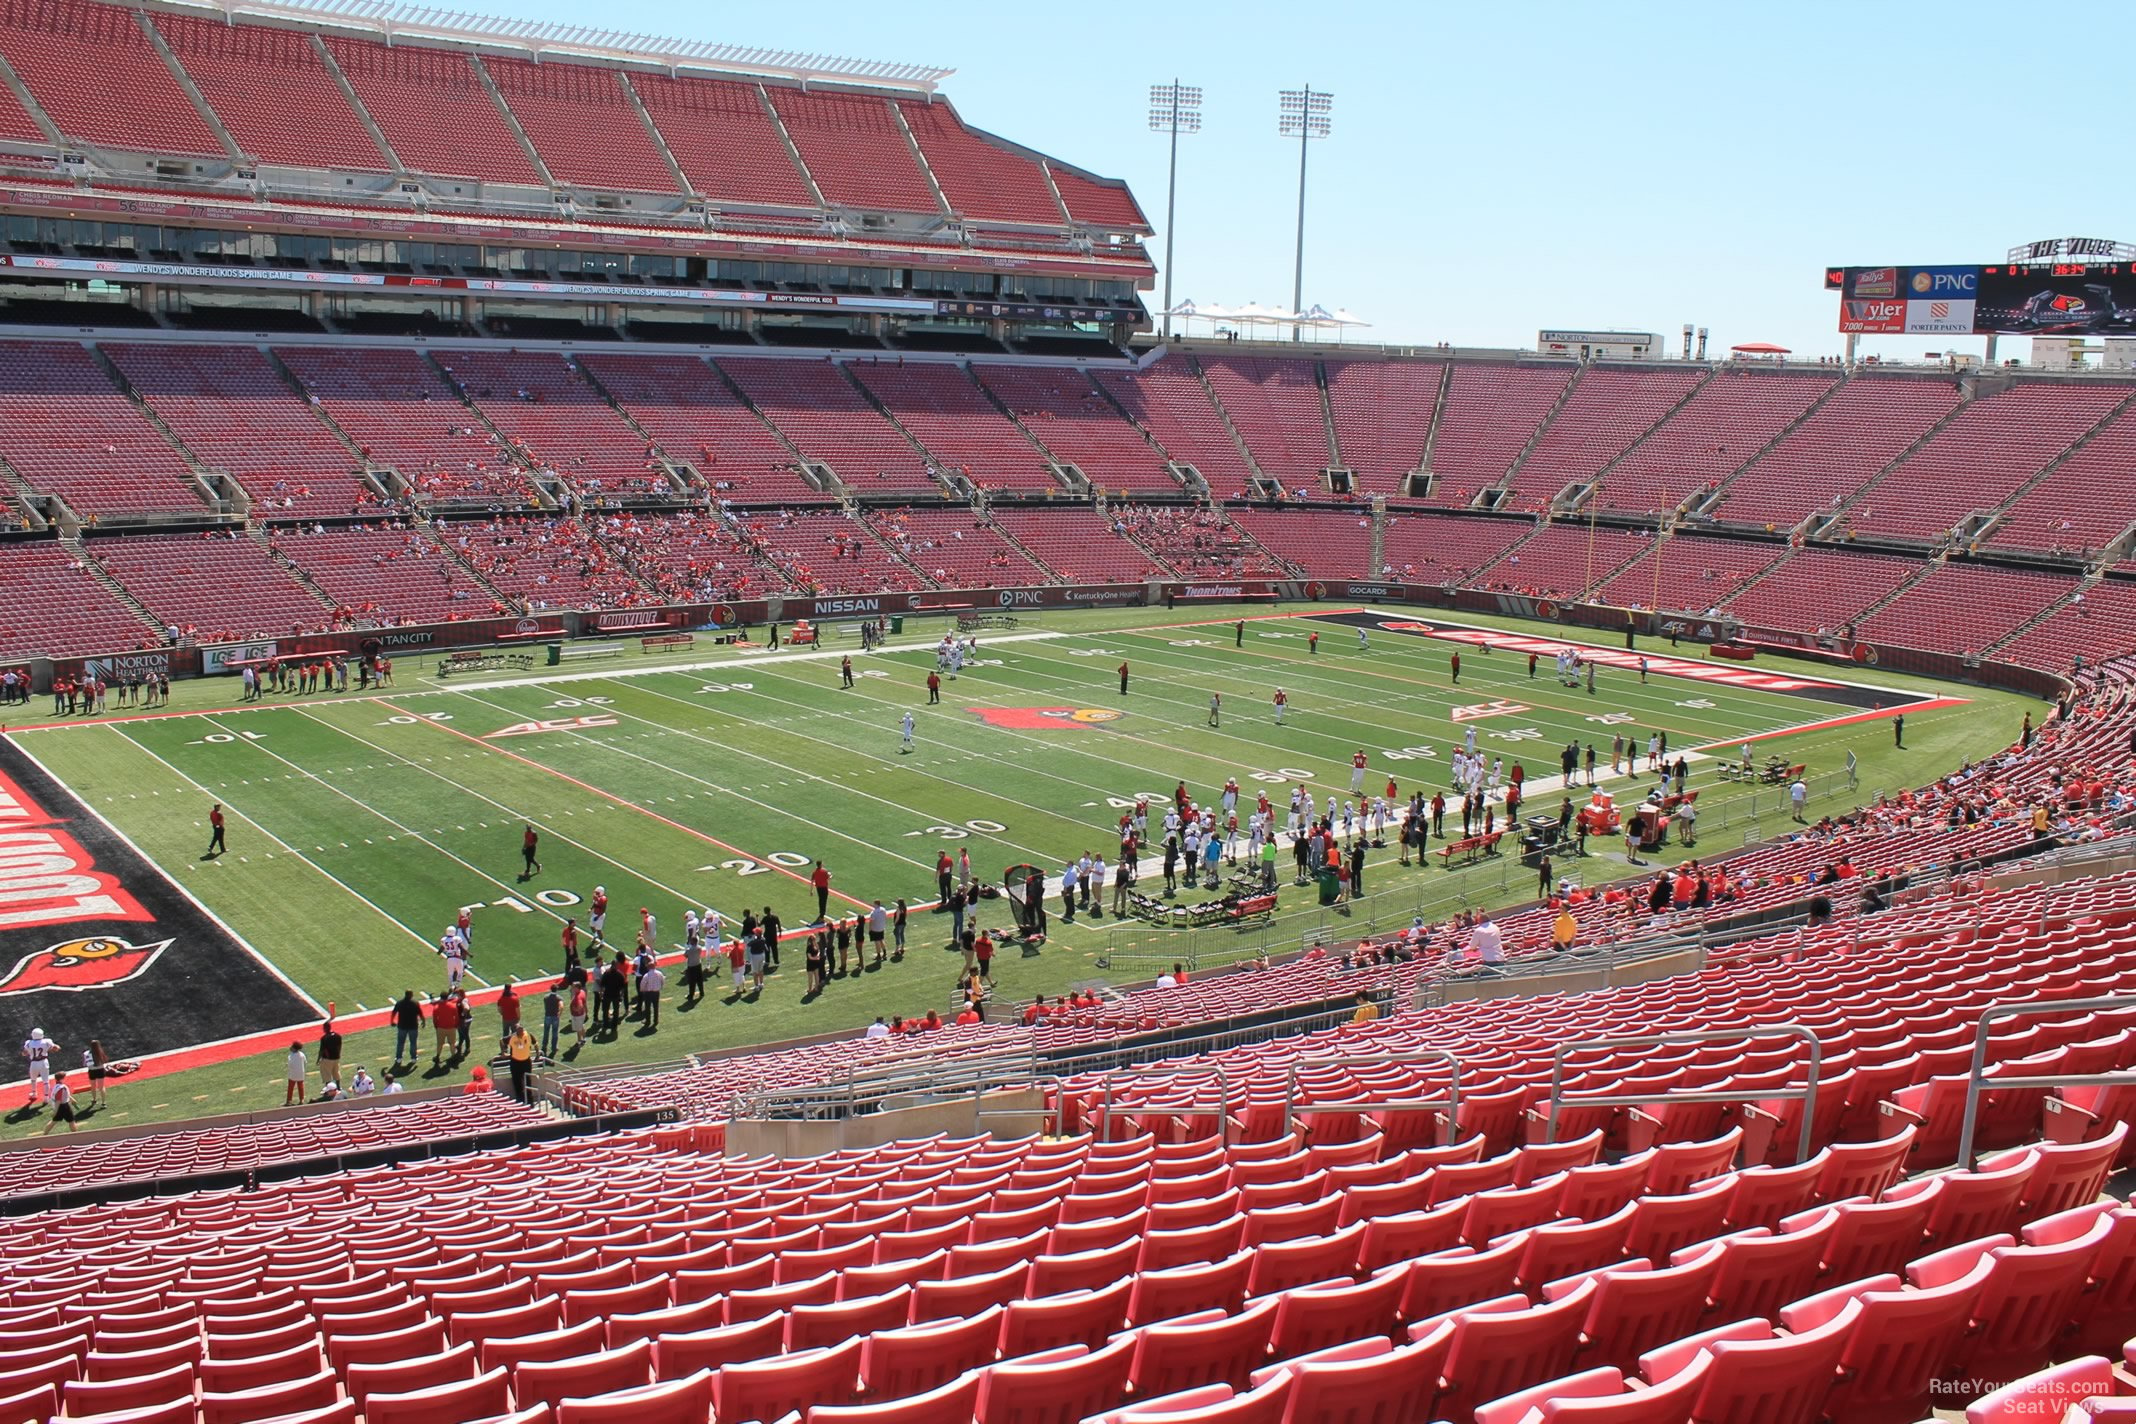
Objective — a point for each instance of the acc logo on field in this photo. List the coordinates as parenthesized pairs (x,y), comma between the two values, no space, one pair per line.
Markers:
(94,963)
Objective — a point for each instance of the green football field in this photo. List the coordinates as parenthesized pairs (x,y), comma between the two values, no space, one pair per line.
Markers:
(359,824)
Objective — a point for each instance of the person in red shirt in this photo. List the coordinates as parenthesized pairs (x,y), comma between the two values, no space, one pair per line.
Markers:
(821,879)
(969,1016)
(934,687)
(529,851)
(215,832)
(933,1021)
(1035,1010)
(1123,679)
(570,940)
(1455,662)
(445,1022)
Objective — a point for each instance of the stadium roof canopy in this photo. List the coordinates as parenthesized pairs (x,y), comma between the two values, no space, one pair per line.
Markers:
(391,20)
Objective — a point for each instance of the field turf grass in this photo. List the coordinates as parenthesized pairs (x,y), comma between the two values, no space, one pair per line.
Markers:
(359,824)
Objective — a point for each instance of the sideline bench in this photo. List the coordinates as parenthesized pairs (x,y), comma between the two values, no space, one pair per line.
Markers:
(483,661)
(583,652)
(1468,850)
(661,642)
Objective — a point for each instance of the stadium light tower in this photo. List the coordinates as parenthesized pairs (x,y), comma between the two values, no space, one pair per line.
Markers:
(1175,108)
(1302,114)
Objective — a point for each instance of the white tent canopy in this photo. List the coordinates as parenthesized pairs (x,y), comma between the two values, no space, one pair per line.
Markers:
(1255,315)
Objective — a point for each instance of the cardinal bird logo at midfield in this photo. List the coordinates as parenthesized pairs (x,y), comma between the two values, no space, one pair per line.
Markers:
(97,962)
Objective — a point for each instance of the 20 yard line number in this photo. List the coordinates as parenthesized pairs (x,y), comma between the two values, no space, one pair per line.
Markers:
(787,859)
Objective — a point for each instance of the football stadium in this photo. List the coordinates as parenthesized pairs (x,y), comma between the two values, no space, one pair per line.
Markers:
(921,845)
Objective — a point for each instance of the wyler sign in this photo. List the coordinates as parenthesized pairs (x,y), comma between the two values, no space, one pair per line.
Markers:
(97,943)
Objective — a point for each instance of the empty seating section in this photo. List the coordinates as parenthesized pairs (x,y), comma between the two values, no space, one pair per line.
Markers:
(1881,1018)
(386,575)
(955,549)
(2094,621)
(1820,590)
(1074,421)
(17,125)
(980,178)
(69,432)
(434,110)
(723,138)
(401,414)
(1695,574)
(183,1151)
(1103,205)
(690,558)
(1991,446)
(1492,412)
(95,74)
(1839,448)
(583,125)
(236,412)
(698,420)
(1564,560)
(561,424)
(1609,408)
(1169,400)
(941,407)
(1382,1264)
(2084,504)
(1732,417)
(822,551)
(855,149)
(273,93)
(1323,543)
(1079,547)
(1965,608)
(546,562)
(56,607)
(216,587)
(1383,412)
(828,419)
(1194,543)
(1275,406)
(1428,548)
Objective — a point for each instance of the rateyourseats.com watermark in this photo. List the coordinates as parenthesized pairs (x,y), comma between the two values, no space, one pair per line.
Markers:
(2049,1400)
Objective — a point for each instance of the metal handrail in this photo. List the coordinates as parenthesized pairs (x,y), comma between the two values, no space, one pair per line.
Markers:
(1222,1110)
(1977,1073)
(1451,1103)
(1046,1083)
(1807,1093)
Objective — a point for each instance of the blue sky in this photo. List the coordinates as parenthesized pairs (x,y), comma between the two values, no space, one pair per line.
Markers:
(1497,168)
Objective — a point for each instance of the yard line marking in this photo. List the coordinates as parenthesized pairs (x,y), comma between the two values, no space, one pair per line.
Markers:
(517,815)
(534,901)
(616,800)
(285,845)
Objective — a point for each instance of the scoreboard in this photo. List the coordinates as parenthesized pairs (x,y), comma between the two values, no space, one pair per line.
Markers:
(2058,298)
(2018,298)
